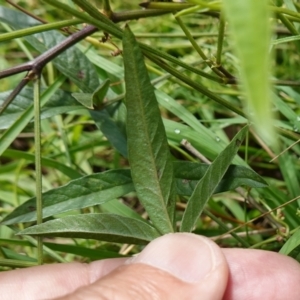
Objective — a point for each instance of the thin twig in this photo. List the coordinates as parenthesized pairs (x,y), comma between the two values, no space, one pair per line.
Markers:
(261,216)
(14,93)
(187,145)
(288,148)
(20,8)
(244,234)
(263,144)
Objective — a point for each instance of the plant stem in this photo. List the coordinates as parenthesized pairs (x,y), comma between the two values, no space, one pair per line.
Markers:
(287,24)
(95,17)
(285,11)
(174,35)
(137,14)
(38,163)
(112,18)
(146,49)
(197,86)
(170,6)
(191,39)
(28,13)
(220,39)
(216,68)
(107,9)
(14,93)
(37,29)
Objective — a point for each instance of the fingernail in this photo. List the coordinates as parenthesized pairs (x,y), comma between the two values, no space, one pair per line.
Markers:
(186,256)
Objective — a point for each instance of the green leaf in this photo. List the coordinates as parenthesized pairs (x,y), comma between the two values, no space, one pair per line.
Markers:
(100,93)
(104,227)
(85,99)
(249,22)
(111,130)
(148,151)
(187,175)
(292,246)
(103,187)
(83,192)
(96,98)
(7,253)
(209,182)
(116,207)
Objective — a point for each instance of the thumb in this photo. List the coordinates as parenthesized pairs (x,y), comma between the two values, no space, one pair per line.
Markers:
(174,266)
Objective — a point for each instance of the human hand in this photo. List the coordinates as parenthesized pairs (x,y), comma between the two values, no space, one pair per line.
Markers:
(175,266)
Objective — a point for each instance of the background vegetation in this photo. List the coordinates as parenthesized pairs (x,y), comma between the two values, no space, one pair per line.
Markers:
(116,171)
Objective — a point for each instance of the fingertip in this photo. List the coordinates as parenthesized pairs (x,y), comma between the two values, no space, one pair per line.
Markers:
(188,257)
(191,258)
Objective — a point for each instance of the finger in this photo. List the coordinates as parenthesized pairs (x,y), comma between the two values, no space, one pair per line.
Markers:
(257,274)
(51,281)
(174,266)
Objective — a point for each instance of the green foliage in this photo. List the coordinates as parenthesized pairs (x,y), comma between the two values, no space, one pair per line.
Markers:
(100,188)
(105,227)
(148,151)
(115,167)
(209,182)
(89,100)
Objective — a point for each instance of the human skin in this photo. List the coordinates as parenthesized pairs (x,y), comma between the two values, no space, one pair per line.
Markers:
(175,266)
